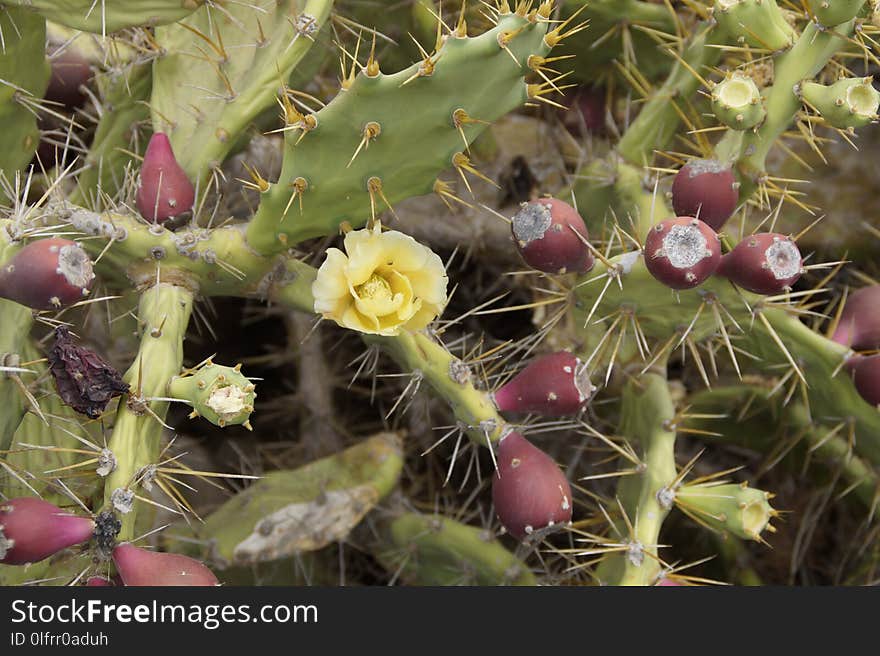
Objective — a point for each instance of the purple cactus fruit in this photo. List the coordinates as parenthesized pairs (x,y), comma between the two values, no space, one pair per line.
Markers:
(865,372)
(70,72)
(142,567)
(682,252)
(859,325)
(552,385)
(47,274)
(587,112)
(165,191)
(707,189)
(530,492)
(32,529)
(99,582)
(550,235)
(764,263)
(667,583)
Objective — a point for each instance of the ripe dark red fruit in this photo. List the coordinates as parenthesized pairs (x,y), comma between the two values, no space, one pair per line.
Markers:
(70,72)
(47,274)
(32,529)
(99,582)
(550,235)
(706,189)
(552,385)
(530,492)
(165,191)
(682,252)
(764,263)
(587,111)
(142,567)
(865,372)
(859,325)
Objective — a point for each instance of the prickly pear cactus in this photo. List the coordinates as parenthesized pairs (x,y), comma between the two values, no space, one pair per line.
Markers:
(540,293)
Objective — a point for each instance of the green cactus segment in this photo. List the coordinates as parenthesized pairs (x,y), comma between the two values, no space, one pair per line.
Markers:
(435,550)
(737,102)
(220,394)
(734,508)
(761,329)
(657,123)
(810,54)
(24,76)
(16,322)
(386,137)
(758,23)
(646,418)
(305,509)
(105,16)
(830,13)
(116,141)
(164,313)
(848,103)
(450,378)
(223,69)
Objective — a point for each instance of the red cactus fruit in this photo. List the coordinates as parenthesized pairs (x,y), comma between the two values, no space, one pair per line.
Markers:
(530,492)
(707,189)
(859,325)
(587,111)
(47,274)
(552,385)
(765,263)
(865,372)
(32,529)
(142,567)
(550,235)
(682,252)
(70,72)
(165,191)
(99,582)
(667,583)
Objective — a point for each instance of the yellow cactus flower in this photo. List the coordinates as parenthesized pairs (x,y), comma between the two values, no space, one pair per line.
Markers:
(384,282)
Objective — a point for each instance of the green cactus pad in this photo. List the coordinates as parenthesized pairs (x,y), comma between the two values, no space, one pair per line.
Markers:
(834,12)
(758,23)
(24,76)
(292,511)
(420,118)
(435,550)
(222,69)
(738,509)
(220,394)
(107,16)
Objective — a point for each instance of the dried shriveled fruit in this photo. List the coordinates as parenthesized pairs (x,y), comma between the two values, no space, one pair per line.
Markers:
(32,529)
(682,252)
(551,236)
(85,381)
(706,189)
(47,274)
(530,492)
(165,191)
(764,263)
(142,567)
(552,385)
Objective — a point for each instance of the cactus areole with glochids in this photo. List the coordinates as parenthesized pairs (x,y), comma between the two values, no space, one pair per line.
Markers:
(551,236)
(682,253)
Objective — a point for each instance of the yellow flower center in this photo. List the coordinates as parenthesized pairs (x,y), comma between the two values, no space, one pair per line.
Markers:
(376,289)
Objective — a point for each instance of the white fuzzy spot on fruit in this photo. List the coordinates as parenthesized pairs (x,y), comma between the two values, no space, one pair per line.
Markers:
(565,504)
(700,166)
(531,222)
(684,246)
(74,264)
(515,462)
(783,258)
(551,396)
